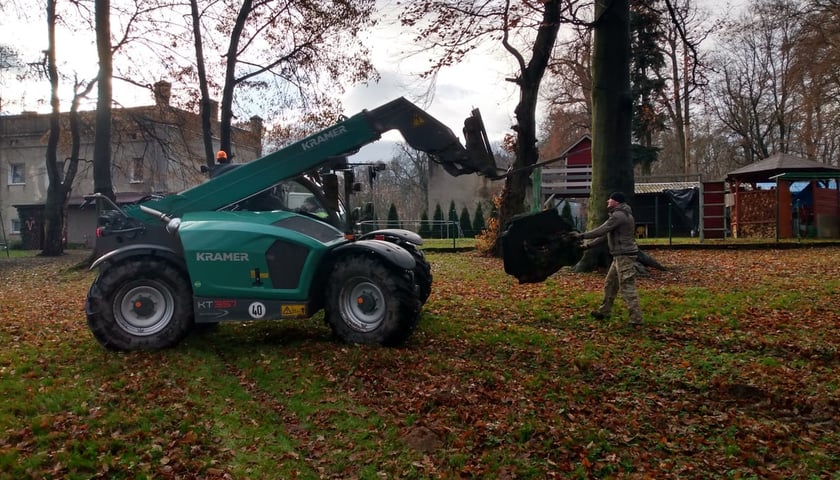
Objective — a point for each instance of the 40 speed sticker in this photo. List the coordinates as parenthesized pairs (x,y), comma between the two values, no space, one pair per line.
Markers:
(256,310)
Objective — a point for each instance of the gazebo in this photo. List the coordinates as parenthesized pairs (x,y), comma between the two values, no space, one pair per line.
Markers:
(774,211)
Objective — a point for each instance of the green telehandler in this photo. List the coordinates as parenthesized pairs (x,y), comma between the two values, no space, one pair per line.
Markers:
(269,239)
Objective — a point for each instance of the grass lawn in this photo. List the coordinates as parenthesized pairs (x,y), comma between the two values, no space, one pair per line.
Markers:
(736,374)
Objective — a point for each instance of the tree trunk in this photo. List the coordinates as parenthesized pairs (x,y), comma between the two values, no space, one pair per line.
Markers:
(685,143)
(54,207)
(612,112)
(527,154)
(206,121)
(102,182)
(60,174)
(229,86)
(54,214)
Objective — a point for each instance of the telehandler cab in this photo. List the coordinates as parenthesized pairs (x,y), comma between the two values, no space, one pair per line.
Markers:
(244,246)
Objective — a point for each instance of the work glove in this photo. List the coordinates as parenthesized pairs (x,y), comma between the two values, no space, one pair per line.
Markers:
(579,239)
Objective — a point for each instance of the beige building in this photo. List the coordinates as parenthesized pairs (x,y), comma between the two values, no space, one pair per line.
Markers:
(156,149)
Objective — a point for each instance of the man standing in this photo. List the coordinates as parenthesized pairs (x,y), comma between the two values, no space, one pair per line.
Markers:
(223,164)
(620,233)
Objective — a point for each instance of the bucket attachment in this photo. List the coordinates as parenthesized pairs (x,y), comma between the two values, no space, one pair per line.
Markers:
(536,245)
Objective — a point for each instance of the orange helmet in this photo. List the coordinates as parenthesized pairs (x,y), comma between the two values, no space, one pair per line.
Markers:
(221,155)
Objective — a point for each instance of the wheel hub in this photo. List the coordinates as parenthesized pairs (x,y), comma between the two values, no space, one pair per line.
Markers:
(143,306)
(362,305)
(366,303)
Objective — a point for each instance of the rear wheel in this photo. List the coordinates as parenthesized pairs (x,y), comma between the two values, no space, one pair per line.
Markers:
(422,274)
(370,303)
(143,304)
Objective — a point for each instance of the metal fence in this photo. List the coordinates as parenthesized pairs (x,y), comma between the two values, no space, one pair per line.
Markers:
(444,229)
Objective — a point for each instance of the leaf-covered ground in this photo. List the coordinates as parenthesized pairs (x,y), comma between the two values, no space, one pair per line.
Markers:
(734,375)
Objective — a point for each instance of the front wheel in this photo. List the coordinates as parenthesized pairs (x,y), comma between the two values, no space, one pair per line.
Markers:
(370,303)
(143,304)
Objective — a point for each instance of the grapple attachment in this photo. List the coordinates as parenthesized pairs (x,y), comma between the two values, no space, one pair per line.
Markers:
(425,133)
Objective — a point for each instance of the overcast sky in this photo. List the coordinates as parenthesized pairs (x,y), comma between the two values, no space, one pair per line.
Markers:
(479,82)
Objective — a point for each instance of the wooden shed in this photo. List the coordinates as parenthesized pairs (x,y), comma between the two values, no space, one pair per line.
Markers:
(572,176)
(771,211)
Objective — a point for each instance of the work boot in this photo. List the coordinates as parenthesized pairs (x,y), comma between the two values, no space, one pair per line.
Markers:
(635,321)
(597,315)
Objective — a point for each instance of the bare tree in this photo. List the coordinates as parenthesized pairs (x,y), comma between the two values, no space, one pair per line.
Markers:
(568,93)
(10,61)
(408,174)
(528,32)
(102,182)
(685,73)
(205,111)
(816,57)
(756,93)
(270,57)
(56,193)
(60,174)
(679,31)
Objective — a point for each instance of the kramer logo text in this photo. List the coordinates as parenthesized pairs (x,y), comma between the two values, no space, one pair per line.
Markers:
(221,257)
(313,142)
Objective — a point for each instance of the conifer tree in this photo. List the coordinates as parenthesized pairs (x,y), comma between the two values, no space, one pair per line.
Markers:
(393,218)
(478,224)
(466,227)
(425,229)
(453,220)
(439,227)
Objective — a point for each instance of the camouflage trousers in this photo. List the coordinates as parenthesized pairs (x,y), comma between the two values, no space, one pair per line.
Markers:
(621,278)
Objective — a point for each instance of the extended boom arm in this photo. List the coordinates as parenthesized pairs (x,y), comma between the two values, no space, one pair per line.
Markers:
(422,131)
(425,133)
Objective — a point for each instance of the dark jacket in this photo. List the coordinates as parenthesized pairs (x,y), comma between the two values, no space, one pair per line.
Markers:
(619,231)
(221,168)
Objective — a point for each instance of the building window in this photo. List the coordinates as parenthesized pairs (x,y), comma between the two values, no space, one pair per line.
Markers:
(15,225)
(136,170)
(16,174)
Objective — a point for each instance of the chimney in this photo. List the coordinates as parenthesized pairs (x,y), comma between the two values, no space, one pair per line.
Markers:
(163,91)
(257,126)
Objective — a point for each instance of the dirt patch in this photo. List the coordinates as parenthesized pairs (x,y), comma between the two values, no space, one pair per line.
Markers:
(422,439)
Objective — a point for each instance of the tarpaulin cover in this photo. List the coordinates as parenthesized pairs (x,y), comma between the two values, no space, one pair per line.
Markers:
(685,200)
(536,245)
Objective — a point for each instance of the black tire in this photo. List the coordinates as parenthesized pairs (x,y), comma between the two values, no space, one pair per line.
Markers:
(140,304)
(422,274)
(370,303)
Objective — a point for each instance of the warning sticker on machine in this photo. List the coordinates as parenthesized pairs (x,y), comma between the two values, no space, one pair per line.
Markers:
(293,310)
